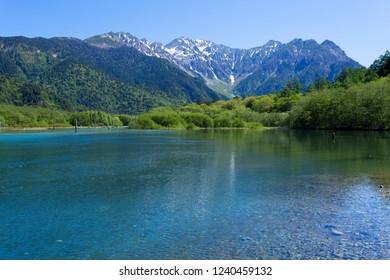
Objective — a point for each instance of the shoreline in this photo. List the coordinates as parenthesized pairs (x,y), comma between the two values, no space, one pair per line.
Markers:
(179,128)
(6,129)
(25,128)
(30,128)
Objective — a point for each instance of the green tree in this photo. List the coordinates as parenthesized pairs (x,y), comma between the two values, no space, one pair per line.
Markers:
(261,104)
(32,95)
(321,83)
(292,87)
(382,65)
(362,106)
(354,76)
(197,119)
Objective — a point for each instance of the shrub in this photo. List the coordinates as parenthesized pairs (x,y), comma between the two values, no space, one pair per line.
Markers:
(275,119)
(197,119)
(222,120)
(145,122)
(166,119)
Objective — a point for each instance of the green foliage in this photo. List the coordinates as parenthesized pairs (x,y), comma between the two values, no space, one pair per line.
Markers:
(28,116)
(32,95)
(382,65)
(72,75)
(285,103)
(127,120)
(16,116)
(8,66)
(261,104)
(357,107)
(145,122)
(196,120)
(86,88)
(275,119)
(95,118)
(353,76)
(362,104)
(224,119)
(320,84)
(291,88)
(9,91)
(168,120)
(246,112)
(273,102)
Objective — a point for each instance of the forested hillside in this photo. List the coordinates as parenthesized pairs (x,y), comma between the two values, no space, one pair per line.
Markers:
(73,75)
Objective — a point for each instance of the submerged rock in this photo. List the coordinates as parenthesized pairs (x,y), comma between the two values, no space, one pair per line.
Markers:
(333,230)
(245,238)
(336,232)
(338,254)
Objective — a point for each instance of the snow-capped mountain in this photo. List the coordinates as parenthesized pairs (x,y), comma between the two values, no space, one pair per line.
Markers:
(109,40)
(242,71)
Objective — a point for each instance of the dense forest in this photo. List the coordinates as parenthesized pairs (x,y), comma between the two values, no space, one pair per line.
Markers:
(69,74)
(356,99)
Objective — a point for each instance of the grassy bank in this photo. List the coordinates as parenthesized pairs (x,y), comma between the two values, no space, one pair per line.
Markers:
(29,117)
(32,117)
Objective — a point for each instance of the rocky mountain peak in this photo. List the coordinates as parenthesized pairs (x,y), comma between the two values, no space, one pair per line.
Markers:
(231,70)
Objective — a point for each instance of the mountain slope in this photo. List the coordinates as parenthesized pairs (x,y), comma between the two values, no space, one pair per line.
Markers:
(230,70)
(120,76)
(305,60)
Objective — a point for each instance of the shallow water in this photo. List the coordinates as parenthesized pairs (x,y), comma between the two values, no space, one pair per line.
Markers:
(225,194)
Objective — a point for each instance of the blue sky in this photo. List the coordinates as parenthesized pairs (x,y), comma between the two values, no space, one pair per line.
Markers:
(360,28)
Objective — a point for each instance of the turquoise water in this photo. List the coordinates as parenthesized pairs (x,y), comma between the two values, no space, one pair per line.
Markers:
(234,194)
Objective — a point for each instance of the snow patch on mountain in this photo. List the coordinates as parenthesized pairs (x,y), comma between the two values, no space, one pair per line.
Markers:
(228,67)
(232,79)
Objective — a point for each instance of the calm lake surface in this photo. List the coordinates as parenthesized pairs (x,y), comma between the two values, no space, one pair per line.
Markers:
(225,194)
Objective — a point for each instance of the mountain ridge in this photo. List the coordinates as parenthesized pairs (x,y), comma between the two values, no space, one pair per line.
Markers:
(241,71)
(142,72)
